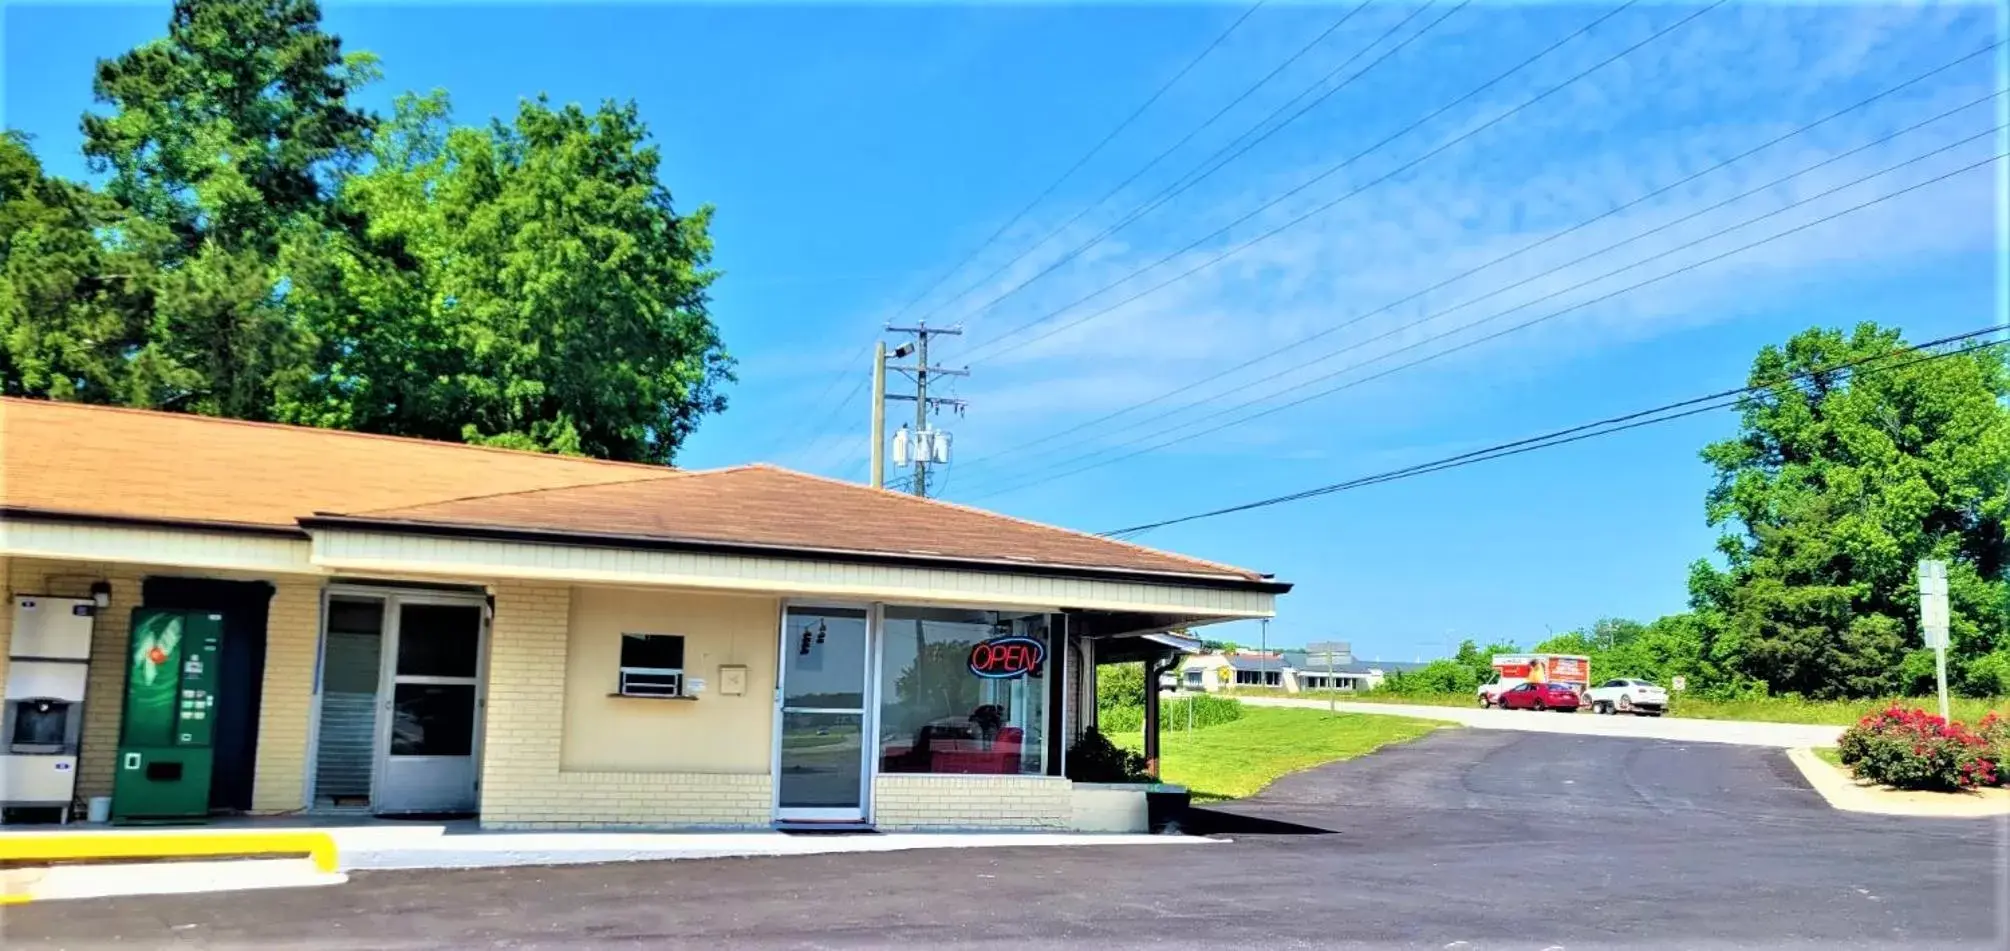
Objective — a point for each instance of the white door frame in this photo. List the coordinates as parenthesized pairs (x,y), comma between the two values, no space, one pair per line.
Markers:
(869,715)
(392,598)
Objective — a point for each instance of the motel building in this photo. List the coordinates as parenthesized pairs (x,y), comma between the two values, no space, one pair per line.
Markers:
(365,625)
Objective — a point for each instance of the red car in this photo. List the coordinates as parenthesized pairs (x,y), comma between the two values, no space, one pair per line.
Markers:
(1533,696)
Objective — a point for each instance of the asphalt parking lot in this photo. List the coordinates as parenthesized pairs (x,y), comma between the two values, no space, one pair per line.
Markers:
(1495,839)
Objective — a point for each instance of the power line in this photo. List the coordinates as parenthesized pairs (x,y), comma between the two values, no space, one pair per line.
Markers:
(1552,271)
(1188,179)
(1859,104)
(823,426)
(1724,399)
(1072,169)
(1205,169)
(1239,248)
(838,378)
(1500,333)
(1529,323)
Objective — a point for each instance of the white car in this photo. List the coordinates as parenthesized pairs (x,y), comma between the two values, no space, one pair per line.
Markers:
(1627,695)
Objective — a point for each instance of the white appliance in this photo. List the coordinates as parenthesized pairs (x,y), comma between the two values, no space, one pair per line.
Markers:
(43,721)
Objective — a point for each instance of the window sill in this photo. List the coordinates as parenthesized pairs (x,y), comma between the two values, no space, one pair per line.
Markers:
(631,696)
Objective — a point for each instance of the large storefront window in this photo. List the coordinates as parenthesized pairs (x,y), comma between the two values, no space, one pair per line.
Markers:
(963,691)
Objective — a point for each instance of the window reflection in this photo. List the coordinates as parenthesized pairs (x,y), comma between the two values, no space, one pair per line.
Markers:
(937,716)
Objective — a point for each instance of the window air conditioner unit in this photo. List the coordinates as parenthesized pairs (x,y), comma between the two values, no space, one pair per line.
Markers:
(652,682)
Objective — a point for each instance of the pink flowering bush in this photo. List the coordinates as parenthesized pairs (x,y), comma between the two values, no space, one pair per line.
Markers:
(1913,749)
(1994,729)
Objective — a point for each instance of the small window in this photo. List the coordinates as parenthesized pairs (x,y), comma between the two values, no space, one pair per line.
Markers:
(652,665)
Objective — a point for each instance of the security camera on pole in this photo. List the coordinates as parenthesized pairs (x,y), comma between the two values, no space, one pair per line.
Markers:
(1933,620)
(921,447)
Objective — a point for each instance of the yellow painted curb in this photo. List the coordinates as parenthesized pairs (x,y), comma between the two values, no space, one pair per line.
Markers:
(87,846)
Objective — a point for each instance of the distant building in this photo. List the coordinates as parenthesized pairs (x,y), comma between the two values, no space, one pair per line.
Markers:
(1284,671)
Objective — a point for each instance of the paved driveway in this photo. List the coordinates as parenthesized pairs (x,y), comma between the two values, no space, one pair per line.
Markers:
(1498,839)
(1739,732)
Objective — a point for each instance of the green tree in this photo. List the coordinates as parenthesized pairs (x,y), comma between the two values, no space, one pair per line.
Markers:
(1438,676)
(265,249)
(1837,484)
(1479,661)
(553,298)
(76,286)
(1120,685)
(231,134)
(232,125)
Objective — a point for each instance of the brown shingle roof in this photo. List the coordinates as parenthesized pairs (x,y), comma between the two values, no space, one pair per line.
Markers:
(766,506)
(107,461)
(63,457)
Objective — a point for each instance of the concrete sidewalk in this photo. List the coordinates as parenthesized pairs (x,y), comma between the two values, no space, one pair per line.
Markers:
(1739,732)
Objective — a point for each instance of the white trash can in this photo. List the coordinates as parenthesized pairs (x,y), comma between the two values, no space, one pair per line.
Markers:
(100,810)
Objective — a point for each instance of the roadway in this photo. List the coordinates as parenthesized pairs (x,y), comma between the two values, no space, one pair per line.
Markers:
(1739,732)
(1466,839)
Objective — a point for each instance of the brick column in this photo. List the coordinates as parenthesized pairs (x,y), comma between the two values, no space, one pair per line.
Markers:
(286,699)
(523,724)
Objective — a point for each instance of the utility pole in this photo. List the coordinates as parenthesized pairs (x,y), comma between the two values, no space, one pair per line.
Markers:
(879,415)
(1263,655)
(924,446)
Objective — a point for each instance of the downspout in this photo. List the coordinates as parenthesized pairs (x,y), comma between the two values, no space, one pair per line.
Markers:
(1153,671)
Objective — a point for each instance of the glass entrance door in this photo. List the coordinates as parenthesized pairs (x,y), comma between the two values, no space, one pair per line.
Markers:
(824,733)
(432,708)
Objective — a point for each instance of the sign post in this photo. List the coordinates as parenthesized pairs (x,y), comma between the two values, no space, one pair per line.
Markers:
(1330,648)
(1933,620)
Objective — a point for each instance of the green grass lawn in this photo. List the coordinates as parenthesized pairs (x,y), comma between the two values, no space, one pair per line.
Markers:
(1827,712)
(1829,755)
(1236,759)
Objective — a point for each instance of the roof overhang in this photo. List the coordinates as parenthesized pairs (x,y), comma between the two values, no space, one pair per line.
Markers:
(360,546)
(1126,602)
(79,536)
(1147,647)
(327,524)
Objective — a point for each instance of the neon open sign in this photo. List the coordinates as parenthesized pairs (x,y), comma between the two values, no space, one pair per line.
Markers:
(1003,657)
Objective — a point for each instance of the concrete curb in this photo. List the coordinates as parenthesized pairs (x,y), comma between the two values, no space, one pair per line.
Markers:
(1844,792)
(503,849)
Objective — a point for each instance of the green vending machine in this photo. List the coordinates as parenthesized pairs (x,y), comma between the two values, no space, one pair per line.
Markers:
(164,739)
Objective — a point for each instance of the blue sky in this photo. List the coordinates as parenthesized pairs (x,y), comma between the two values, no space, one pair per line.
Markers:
(856,153)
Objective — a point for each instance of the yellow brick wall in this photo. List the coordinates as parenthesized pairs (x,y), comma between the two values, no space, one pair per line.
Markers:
(6,619)
(286,700)
(972,802)
(523,786)
(636,800)
(522,730)
(292,635)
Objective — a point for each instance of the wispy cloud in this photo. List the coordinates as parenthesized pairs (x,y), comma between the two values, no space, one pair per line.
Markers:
(1736,77)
